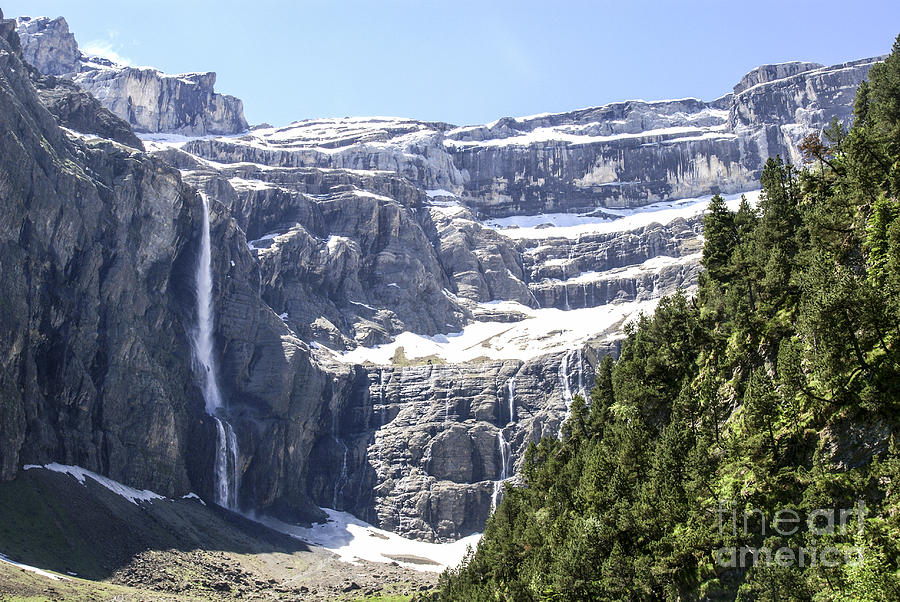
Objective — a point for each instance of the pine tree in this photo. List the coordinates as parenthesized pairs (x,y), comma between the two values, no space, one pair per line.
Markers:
(885,98)
(721,235)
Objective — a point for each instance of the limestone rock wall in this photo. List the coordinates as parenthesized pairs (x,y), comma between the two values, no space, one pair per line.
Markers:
(149,100)
(96,368)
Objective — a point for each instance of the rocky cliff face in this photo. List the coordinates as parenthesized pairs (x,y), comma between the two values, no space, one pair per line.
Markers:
(155,102)
(48,45)
(377,237)
(100,246)
(777,112)
(96,370)
(627,154)
(401,307)
(371,240)
(403,425)
(151,101)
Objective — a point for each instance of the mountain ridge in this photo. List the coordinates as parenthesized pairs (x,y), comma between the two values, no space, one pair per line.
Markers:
(322,249)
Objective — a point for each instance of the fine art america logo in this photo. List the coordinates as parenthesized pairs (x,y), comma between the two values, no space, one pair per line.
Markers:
(821,524)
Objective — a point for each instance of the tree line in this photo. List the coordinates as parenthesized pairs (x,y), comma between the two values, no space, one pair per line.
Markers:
(744,420)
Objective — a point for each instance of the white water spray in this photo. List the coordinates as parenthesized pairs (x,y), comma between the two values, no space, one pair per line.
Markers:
(565,387)
(383,412)
(571,256)
(447,402)
(503,446)
(511,388)
(342,479)
(579,357)
(203,334)
(225,466)
(533,298)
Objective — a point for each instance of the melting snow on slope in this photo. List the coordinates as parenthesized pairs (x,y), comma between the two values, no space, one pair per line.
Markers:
(573,225)
(542,331)
(352,540)
(159,141)
(572,135)
(129,493)
(344,534)
(32,569)
(438,192)
(652,265)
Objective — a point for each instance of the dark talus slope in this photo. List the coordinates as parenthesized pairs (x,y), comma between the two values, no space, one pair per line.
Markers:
(57,523)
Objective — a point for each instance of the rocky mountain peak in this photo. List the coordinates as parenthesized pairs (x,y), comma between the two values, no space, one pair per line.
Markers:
(49,45)
(768,73)
(149,100)
(8,33)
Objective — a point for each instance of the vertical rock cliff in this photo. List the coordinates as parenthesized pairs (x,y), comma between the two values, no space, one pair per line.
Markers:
(95,236)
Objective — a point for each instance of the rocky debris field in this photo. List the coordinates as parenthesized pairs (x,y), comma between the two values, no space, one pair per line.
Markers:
(100,545)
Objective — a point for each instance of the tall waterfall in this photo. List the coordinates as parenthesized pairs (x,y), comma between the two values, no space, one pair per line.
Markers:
(342,478)
(447,402)
(511,387)
(565,387)
(225,467)
(580,359)
(383,411)
(504,469)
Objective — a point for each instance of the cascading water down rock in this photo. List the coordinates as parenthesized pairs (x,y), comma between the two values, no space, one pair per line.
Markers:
(226,463)
(503,447)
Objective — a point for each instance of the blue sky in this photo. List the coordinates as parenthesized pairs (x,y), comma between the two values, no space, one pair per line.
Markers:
(465,61)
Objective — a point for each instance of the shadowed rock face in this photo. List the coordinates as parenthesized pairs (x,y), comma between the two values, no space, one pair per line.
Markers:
(423,441)
(149,100)
(79,111)
(96,369)
(99,243)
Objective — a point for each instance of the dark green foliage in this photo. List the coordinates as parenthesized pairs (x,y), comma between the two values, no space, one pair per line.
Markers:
(884,101)
(721,236)
(777,388)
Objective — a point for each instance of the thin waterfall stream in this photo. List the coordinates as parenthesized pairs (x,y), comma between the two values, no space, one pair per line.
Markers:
(225,465)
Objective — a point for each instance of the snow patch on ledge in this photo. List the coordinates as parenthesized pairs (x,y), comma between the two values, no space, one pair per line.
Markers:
(438,192)
(32,569)
(573,226)
(541,331)
(193,496)
(354,540)
(129,493)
